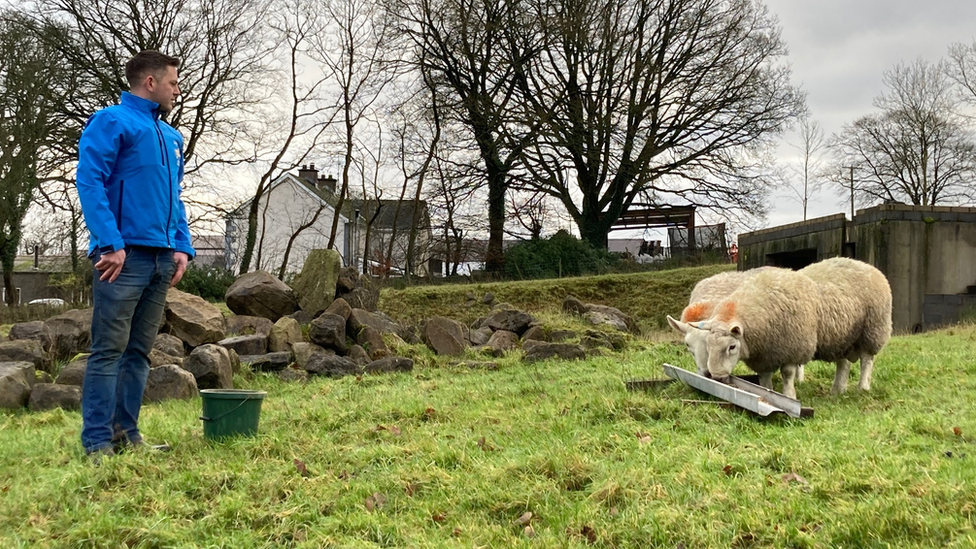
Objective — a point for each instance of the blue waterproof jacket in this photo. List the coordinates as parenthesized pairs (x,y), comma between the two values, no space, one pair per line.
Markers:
(130,167)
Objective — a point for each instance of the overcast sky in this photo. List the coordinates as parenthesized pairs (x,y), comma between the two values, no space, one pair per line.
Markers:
(839,50)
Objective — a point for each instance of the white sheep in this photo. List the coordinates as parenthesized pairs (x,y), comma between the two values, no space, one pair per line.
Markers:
(854,312)
(704,296)
(769,322)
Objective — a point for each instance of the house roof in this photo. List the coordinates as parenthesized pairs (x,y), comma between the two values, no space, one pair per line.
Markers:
(315,194)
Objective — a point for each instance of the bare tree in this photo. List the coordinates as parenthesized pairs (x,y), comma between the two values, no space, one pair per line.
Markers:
(31,80)
(678,97)
(962,69)
(917,149)
(221,46)
(360,52)
(806,177)
(472,50)
(305,122)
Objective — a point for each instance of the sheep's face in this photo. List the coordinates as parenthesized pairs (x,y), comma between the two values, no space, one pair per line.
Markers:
(725,347)
(695,340)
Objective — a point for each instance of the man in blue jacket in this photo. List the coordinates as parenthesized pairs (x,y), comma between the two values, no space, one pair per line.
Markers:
(130,170)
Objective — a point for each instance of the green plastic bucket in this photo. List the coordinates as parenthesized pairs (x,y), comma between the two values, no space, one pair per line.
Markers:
(230,412)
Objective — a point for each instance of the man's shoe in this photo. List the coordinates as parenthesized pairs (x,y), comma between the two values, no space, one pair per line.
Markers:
(140,445)
(97,456)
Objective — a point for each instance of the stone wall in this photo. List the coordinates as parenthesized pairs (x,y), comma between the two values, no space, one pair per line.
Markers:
(924,251)
(821,238)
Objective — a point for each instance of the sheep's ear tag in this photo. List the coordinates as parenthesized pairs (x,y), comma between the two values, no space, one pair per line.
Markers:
(701,325)
(736,330)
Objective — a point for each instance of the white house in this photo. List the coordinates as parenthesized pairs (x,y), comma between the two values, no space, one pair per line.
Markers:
(295,216)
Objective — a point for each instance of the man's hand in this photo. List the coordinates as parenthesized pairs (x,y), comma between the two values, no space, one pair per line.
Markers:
(110,265)
(181,260)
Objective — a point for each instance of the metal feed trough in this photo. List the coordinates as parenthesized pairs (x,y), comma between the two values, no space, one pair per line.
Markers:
(740,392)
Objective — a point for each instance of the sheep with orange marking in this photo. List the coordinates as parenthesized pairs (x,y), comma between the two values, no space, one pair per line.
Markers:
(769,322)
(704,296)
(706,293)
(854,312)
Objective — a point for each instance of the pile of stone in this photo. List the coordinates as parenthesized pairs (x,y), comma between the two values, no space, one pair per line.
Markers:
(326,325)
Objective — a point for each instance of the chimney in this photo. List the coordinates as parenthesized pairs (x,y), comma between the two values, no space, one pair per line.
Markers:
(328,183)
(309,174)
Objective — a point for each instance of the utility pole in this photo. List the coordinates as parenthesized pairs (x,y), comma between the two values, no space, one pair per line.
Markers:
(852,192)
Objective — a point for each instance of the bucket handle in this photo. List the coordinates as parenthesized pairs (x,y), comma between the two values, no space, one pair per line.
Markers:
(232,410)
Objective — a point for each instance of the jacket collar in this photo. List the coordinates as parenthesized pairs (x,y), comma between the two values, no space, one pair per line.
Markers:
(140,104)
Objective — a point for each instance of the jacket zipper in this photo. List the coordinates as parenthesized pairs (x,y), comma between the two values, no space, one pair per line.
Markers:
(169,177)
(118,218)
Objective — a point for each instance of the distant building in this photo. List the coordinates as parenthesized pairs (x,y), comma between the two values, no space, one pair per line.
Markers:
(928,254)
(296,216)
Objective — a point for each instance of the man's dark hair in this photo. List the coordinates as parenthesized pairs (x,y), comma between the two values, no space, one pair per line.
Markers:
(147,62)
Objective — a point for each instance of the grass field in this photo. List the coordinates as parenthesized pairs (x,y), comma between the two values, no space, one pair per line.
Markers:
(450,456)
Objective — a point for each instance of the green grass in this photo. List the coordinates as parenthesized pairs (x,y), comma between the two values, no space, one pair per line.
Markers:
(647,296)
(450,456)
(458,455)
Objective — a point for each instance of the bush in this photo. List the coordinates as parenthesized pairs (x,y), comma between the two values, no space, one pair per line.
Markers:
(555,257)
(210,283)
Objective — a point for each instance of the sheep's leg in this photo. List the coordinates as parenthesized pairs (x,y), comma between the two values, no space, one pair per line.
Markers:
(789,375)
(867,366)
(766,380)
(799,374)
(840,377)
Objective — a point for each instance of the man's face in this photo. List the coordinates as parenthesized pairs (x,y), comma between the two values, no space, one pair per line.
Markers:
(164,88)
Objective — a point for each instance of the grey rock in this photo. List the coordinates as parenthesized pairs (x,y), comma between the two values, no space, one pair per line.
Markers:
(329,331)
(389,364)
(510,320)
(293,375)
(558,336)
(48,396)
(170,345)
(358,290)
(246,344)
(73,373)
(302,317)
(304,350)
(170,382)
(247,325)
(259,293)
(564,351)
(479,336)
(444,336)
(270,362)
(537,333)
(574,306)
(316,284)
(359,355)
(617,318)
(488,299)
(70,333)
(36,330)
(285,332)
(16,381)
(326,364)
(211,366)
(340,307)
(158,358)
(192,319)
(501,342)
(25,350)
(372,341)
(597,318)
(593,339)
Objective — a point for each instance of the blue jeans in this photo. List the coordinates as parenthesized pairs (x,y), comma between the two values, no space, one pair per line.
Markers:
(125,321)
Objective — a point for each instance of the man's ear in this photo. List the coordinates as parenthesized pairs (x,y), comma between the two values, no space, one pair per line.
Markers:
(678,326)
